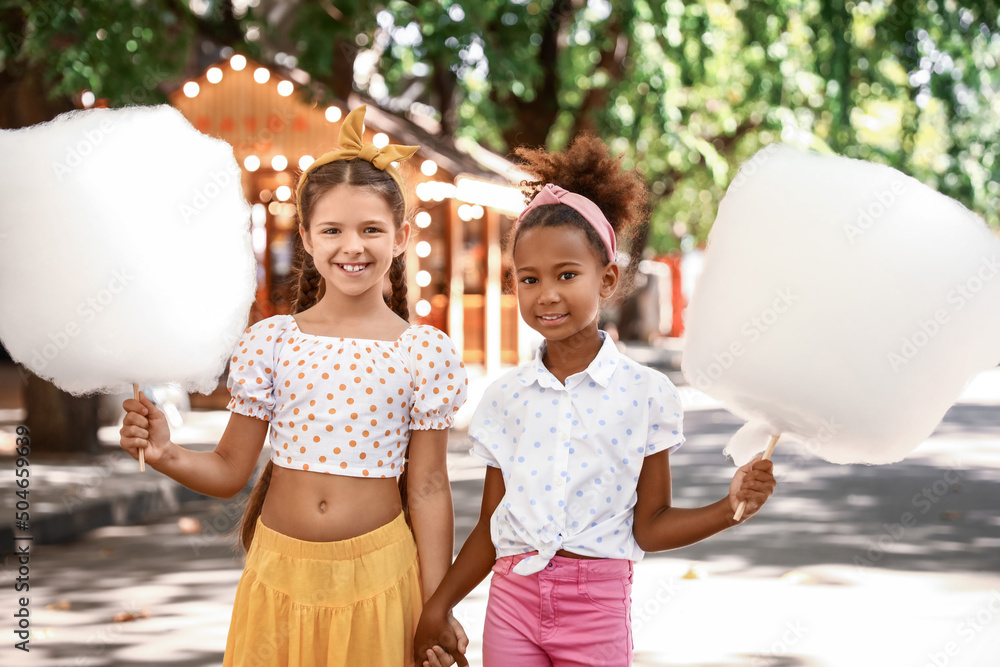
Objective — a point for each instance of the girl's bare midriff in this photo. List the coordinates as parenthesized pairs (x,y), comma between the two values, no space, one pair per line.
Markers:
(328,507)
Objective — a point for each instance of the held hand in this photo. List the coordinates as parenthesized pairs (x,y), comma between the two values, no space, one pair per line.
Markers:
(439,639)
(144,427)
(753,482)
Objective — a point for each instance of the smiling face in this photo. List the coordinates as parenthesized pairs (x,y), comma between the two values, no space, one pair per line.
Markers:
(560,281)
(352,238)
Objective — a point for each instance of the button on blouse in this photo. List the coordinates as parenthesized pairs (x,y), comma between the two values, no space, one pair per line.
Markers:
(570,454)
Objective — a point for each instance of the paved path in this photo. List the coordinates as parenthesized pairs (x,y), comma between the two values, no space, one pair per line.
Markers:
(832,573)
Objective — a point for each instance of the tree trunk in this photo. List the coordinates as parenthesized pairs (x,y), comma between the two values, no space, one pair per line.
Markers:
(59,422)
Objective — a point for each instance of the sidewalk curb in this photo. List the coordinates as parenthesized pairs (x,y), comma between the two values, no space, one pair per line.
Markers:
(130,508)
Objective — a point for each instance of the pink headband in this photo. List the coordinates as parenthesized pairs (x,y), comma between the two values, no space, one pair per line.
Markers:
(553,194)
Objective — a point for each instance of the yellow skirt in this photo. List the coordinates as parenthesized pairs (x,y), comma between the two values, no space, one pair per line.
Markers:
(327,604)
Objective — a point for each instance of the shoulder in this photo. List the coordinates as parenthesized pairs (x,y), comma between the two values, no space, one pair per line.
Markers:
(425,341)
(632,373)
(268,325)
(425,335)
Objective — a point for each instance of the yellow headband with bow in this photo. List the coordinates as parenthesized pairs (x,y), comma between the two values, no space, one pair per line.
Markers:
(352,146)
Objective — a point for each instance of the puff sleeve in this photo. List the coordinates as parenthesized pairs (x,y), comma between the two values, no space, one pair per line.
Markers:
(251,371)
(665,415)
(440,383)
(486,431)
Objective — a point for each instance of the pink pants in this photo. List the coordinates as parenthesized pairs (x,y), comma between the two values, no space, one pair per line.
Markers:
(574,613)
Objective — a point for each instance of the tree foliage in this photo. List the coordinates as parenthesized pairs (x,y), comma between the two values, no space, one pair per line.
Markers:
(686,90)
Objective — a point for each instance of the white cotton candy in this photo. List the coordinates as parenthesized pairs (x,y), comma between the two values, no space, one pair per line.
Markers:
(842,304)
(125,250)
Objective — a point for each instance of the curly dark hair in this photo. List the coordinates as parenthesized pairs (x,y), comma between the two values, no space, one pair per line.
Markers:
(586,168)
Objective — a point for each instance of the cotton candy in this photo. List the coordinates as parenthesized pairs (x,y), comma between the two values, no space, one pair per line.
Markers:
(842,304)
(125,251)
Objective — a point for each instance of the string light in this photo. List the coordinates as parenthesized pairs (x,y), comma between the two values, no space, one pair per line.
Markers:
(191,89)
(238,62)
(423,308)
(333,114)
(279,162)
(261,75)
(214,75)
(252,163)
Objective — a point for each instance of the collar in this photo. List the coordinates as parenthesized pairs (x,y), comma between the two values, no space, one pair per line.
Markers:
(599,370)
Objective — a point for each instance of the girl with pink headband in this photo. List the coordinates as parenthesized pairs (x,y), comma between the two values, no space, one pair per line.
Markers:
(577,442)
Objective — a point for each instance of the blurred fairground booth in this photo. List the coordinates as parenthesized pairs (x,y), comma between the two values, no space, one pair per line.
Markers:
(461,198)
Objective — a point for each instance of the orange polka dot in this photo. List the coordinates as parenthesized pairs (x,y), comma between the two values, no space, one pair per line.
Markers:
(292,397)
(329,427)
(369,391)
(322,459)
(343,464)
(361,455)
(309,386)
(348,428)
(343,387)
(353,443)
(250,363)
(364,472)
(329,397)
(260,380)
(316,438)
(325,376)
(354,415)
(336,450)
(301,375)
(302,450)
(364,434)
(312,402)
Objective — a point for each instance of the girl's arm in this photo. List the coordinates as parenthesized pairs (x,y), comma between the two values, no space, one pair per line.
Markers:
(428,494)
(657,526)
(474,562)
(221,473)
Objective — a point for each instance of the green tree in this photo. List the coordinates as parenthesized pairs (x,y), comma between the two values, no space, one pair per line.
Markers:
(686,90)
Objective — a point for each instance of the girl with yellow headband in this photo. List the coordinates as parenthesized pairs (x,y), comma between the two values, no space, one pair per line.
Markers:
(350,527)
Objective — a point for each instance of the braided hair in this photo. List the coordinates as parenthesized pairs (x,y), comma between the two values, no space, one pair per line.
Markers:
(310,286)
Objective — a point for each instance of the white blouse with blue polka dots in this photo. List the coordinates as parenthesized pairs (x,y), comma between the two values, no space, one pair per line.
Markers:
(570,454)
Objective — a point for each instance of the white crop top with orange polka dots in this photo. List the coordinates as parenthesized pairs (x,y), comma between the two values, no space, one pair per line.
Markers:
(344,405)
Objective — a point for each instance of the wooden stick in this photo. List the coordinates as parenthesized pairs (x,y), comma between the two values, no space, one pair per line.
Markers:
(767,455)
(142,456)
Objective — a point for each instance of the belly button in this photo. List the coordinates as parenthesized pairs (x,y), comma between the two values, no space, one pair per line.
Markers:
(322,506)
